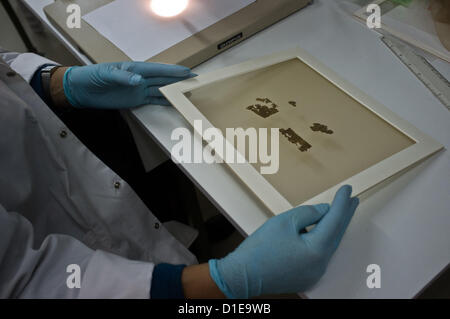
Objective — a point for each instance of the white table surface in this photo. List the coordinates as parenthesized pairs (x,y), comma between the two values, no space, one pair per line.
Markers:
(403,226)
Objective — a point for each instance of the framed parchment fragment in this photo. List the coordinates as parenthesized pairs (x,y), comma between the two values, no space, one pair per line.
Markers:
(330,132)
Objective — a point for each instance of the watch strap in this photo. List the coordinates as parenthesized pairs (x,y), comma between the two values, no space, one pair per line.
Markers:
(46,75)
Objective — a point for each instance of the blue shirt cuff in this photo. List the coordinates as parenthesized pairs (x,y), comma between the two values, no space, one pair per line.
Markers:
(166,282)
(36,83)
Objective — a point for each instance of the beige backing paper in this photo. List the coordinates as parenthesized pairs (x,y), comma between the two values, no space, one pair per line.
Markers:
(360,140)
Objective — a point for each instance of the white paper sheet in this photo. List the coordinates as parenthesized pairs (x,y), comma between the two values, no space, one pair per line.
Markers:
(416,23)
(140,34)
(413,24)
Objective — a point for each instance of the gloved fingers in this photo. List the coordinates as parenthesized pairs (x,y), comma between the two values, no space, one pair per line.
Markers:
(322,208)
(153,91)
(331,228)
(305,216)
(158,101)
(159,70)
(121,77)
(163,81)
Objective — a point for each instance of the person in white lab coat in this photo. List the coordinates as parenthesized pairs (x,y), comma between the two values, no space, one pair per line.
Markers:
(63,212)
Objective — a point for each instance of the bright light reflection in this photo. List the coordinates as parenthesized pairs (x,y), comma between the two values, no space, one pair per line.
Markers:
(168,8)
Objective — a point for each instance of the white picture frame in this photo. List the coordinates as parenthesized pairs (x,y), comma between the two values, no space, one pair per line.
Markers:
(423,147)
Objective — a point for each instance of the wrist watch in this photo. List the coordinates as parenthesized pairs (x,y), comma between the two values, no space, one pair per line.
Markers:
(46,75)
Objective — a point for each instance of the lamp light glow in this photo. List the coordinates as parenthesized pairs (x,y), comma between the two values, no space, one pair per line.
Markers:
(168,8)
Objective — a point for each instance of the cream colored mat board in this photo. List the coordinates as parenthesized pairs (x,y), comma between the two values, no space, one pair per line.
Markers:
(360,139)
(333,133)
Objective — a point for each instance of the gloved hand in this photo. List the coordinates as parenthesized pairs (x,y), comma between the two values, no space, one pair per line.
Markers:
(278,259)
(120,85)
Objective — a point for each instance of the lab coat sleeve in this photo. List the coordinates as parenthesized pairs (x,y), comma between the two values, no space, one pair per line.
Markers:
(26,64)
(45,271)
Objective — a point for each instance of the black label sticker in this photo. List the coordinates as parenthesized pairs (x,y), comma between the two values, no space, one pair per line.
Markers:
(230,41)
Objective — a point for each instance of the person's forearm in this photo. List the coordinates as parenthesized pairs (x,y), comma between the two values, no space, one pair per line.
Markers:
(198,284)
(57,90)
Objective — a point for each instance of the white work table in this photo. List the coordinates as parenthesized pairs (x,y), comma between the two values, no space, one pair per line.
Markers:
(404,225)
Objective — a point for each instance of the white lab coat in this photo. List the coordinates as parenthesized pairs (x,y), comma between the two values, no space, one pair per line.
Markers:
(60,205)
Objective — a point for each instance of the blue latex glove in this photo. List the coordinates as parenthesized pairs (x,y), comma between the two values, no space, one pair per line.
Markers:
(278,259)
(120,85)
